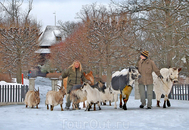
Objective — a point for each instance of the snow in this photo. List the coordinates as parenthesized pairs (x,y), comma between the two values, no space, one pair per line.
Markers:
(48,38)
(19,117)
(43,50)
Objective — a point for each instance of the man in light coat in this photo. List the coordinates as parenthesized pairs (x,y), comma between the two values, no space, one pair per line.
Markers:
(145,68)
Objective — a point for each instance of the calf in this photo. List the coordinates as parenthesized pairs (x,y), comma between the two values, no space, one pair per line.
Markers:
(93,96)
(163,86)
(53,98)
(122,82)
(32,98)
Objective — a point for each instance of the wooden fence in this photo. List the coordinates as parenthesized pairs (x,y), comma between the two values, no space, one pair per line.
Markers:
(13,93)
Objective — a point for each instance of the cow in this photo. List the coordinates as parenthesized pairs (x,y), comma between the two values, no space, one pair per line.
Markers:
(122,83)
(163,86)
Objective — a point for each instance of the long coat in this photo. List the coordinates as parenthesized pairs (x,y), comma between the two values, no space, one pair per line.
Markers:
(145,68)
(74,77)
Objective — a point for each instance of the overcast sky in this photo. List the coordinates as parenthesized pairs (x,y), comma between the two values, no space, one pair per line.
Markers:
(65,10)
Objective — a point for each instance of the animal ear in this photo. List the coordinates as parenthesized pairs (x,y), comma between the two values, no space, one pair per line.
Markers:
(91,72)
(179,69)
(84,73)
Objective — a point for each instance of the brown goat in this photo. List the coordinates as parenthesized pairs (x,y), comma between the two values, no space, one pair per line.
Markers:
(53,98)
(32,98)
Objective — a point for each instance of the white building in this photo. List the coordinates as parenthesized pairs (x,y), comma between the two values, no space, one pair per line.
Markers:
(50,36)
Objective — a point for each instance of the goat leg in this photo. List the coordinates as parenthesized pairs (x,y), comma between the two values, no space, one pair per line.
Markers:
(99,106)
(158,103)
(83,104)
(51,107)
(47,107)
(61,107)
(110,103)
(94,106)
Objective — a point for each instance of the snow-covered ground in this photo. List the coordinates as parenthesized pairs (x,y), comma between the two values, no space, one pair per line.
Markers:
(21,118)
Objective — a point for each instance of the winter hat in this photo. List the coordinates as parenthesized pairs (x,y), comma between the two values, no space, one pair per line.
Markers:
(144,53)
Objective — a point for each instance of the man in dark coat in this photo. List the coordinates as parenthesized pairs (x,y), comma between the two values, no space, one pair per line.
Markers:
(145,68)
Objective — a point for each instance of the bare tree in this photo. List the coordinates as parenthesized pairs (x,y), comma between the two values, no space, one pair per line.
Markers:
(68,27)
(18,37)
(164,28)
(18,49)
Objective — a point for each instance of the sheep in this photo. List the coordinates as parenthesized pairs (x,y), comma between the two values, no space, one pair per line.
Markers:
(32,98)
(93,96)
(53,98)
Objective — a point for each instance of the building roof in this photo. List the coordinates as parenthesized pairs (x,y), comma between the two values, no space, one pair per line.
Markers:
(48,38)
(43,50)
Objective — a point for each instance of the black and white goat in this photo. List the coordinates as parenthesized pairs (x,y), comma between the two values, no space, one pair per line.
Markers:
(105,92)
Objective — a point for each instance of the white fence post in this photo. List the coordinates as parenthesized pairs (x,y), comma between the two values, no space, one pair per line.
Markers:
(54,82)
(31,83)
(137,94)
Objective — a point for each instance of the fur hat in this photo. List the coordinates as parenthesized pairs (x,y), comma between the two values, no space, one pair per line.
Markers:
(145,53)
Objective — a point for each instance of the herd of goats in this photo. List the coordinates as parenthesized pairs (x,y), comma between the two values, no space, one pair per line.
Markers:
(97,93)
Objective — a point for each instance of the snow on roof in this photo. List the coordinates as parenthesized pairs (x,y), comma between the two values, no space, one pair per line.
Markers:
(48,38)
(43,50)
(57,33)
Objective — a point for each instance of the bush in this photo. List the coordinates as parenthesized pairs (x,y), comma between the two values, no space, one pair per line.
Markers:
(54,75)
(5,77)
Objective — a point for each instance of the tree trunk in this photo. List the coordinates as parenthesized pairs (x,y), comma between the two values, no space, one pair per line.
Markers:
(19,72)
(100,70)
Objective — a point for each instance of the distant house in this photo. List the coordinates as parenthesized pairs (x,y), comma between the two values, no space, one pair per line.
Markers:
(50,36)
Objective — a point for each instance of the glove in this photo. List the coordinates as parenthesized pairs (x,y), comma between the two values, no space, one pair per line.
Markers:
(160,76)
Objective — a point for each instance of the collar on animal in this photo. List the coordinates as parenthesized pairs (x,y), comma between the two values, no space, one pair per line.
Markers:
(129,85)
(171,78)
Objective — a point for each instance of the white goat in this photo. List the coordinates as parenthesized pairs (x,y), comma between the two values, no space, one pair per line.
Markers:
(93,96)
(107,95)
(32,98)
(53,98)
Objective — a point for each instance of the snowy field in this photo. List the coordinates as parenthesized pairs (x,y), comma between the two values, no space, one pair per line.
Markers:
(20,118)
